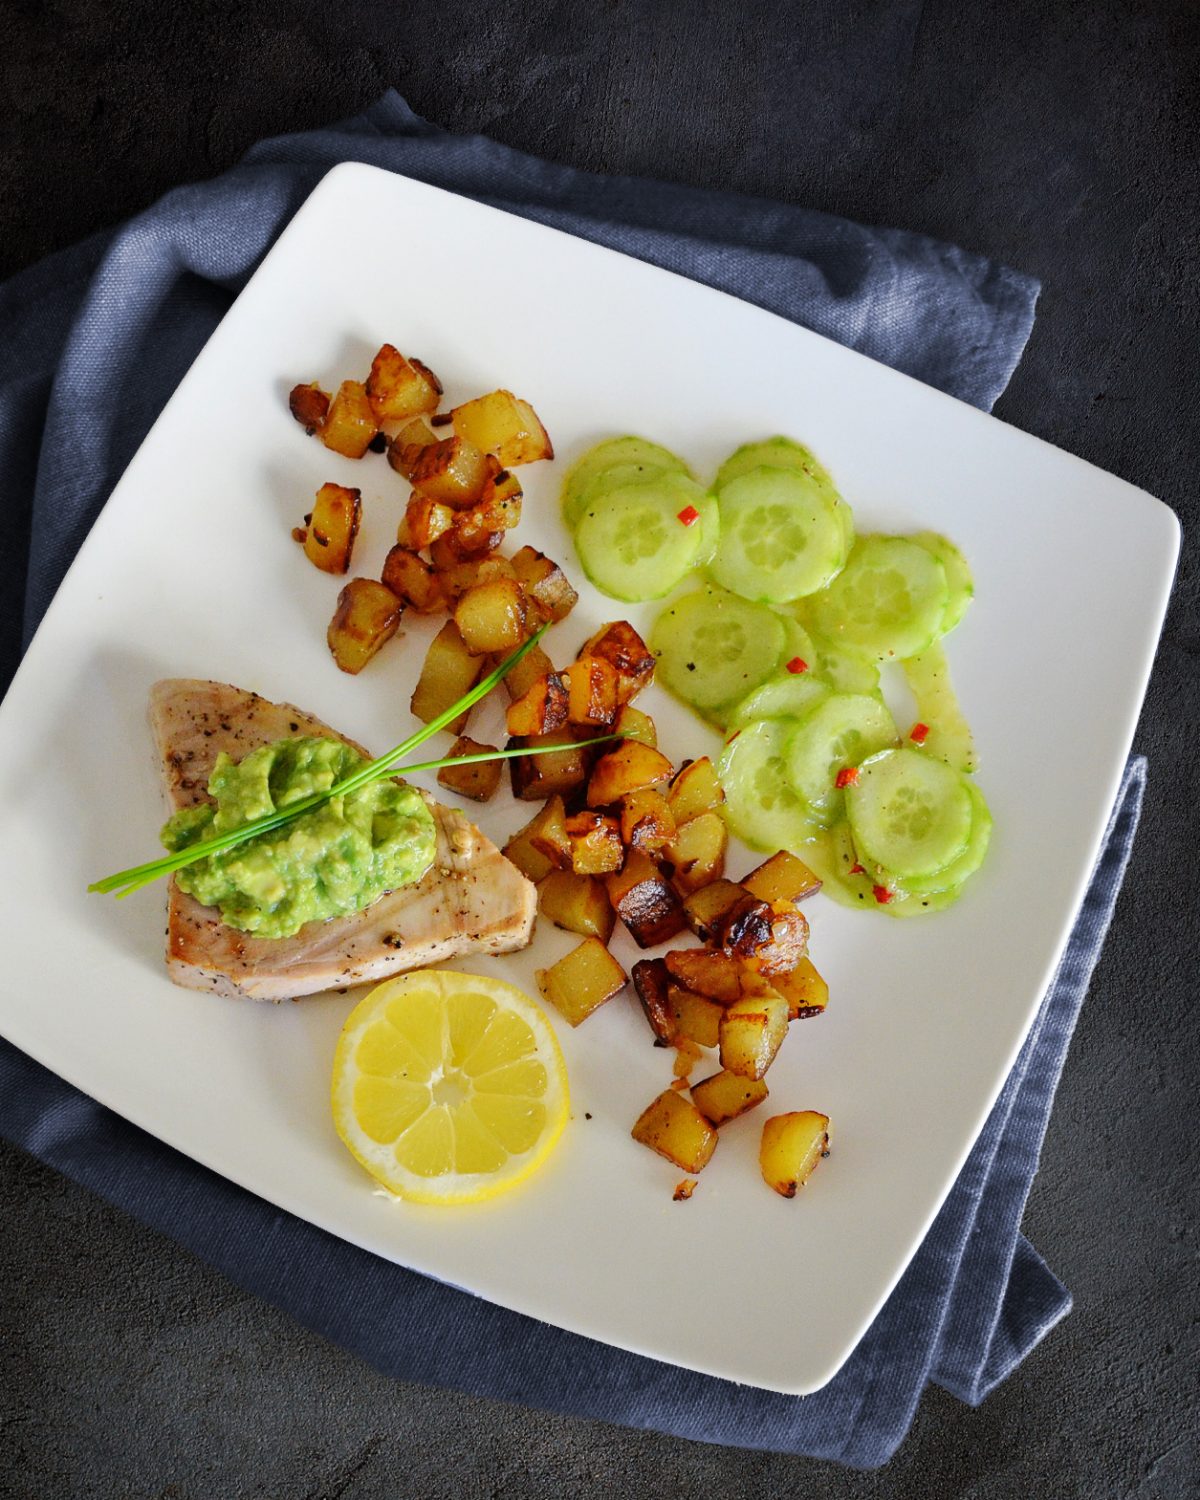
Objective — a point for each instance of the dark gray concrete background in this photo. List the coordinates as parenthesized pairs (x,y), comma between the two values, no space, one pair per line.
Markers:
(1061,138)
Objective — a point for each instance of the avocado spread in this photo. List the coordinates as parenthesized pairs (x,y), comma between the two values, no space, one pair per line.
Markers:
(332,860)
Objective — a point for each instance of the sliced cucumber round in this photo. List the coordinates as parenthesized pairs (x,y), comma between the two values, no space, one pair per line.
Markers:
(888,601)
(773,453)
(781,535)
(760,806)
(909,813)
(974,851)
(713,648)
(610,454)
(840,731)
(845,671)
(960,584)
(631,542)
(787,697)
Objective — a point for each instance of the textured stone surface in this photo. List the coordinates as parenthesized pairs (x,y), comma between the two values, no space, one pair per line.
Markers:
(1061,138)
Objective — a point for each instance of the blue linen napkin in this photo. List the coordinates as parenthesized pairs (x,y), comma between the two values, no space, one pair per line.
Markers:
(92,342)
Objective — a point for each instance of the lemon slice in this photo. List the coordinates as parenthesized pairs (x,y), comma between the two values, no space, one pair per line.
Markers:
(448,1087)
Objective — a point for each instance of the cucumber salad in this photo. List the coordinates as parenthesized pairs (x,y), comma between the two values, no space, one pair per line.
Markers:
(781,645)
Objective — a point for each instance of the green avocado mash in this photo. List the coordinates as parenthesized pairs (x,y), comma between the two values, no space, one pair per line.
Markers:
(328,862)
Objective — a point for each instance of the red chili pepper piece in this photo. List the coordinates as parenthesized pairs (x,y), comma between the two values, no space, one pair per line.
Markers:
(919,733)
(797,665)
(882,894)
(857,869)
(689,515)
(847,776)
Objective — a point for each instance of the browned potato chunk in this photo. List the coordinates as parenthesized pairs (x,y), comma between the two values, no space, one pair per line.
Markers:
(704,908)
(399,387)
(791,1147)
(805,991)
(366,618)
(519,679)
(629,768)
(695,1017)
(697,852)
(652,983)
(596,847)
(477,781)
(543,708)
(581,982)
(545,583)
(576,902)
(349,426)
(716,975)
(676,1129)
(476,529)
(423,522)
(412,579)
(644,901)
(450,670)
(407,445)
(548,833)
(459,576)
(635,725)
(491,617)
(537,776)
(783,877)
(528,858)
(453,470)
(502,424)
(332,527)
(646,821)
(309,405)
(622,647)
(776,937)
(592,688)
(751,1033)
(695,790)
(726,1095)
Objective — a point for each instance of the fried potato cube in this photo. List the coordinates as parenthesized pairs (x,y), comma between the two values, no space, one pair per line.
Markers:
(528,858)
(548,834)
(790,1149)
(726,1095)
(537,776)
(644,901)
(423,522)
(475,530)
(449,671)
(533,665)
(453,470)
(458,576)
(502,424)
(695,1017)
(309,405)
(675,1128)
(751,1033)
(783,877)
(695,790)
(542,709)
(592,689)
(646,821)
(716,975)
(545,583)
(367,617)
(633,724)
(596,847)
(631,767)
(652,982)
(349,426)
(776,937)
(697,852)
(413,580)
(399,387)
(581,982)
(577,903)
(491,617)
(805,991)
(332,528)
(477,781)
(406,446)
(626,652)
(705,907)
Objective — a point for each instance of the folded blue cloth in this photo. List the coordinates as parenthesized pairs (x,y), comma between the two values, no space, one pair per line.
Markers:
(93,341)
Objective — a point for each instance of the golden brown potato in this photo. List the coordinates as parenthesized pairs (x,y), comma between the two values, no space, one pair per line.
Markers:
(349,426)
(716,975)
(545,583)
(646,821)
(581,982)
(726,1095)
(633,724)
(652,982)
(631,767)
(332,527)
(449,671)
(783,877)
(626,652)
(412,579)
(596,847)
(478,781)
(751,1033)
(694,1017)
(644,901)
(776,937)
(491,617)
(592,689)
(399,387)
(542,710)
(675,1128)
(366,618)
(530,860)
(705,907)
(458,576)
(407,445)
(577,903)
(697,852)
(790,1149)
(475,530)
(502,424)
(423,522)
(547,832)
(309,405)
(519,679)
(695,790)
(537,776)
(452,470)
(805,991)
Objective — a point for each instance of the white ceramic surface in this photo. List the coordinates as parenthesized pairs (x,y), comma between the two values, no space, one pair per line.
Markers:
(190,571)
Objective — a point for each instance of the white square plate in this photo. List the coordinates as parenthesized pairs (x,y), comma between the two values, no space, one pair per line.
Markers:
(190,572)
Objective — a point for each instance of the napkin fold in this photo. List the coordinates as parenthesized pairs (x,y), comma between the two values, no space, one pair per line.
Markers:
(93,341)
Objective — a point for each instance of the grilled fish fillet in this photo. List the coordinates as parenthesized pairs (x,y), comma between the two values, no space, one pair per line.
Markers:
(471,900)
